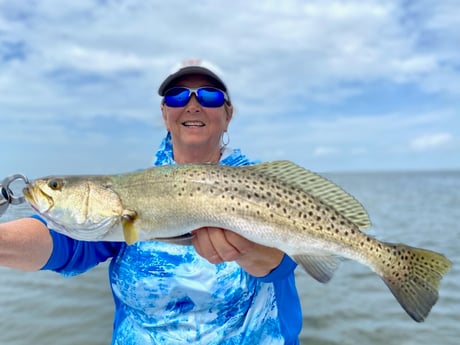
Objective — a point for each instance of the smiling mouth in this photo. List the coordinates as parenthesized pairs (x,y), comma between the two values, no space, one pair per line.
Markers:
(193,124)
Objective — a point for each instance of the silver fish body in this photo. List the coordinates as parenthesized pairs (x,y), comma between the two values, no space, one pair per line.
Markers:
(277,204)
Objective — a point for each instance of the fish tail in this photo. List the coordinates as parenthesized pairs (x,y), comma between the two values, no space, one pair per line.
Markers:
(413,276)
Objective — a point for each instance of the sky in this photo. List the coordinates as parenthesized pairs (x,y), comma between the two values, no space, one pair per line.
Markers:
(335,86)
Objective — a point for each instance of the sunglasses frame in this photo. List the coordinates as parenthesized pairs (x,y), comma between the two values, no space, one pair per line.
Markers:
(194,91)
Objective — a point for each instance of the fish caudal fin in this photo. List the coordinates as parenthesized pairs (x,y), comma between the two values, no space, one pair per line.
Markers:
(414,277)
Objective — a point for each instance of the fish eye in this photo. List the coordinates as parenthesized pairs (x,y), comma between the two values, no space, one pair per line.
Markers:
(56,184)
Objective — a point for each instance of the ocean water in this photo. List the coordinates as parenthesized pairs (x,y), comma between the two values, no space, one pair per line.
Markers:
(355,307)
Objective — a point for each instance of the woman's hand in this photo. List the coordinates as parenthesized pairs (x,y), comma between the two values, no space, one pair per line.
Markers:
(219,245)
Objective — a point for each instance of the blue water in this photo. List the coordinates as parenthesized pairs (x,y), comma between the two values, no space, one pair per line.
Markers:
(419,209)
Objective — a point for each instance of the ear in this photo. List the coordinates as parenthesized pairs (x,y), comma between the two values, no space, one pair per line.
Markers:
(228,112)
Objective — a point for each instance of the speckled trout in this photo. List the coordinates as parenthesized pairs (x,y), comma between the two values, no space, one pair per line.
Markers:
(277,204)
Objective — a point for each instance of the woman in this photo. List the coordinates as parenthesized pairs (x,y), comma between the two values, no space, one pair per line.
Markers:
(222,290)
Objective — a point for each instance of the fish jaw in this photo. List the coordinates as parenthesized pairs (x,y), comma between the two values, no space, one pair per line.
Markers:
(89,231)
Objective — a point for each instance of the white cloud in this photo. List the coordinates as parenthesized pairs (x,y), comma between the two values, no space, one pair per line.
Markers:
(102,61)
(92,59)
(431,141)
(317,47)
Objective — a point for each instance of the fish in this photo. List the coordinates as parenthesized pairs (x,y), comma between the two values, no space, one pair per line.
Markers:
(277,204)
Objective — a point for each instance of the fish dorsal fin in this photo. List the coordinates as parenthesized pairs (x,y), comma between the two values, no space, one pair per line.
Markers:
(317,186)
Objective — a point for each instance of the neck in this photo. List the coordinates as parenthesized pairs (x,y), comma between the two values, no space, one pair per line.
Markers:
(195,156)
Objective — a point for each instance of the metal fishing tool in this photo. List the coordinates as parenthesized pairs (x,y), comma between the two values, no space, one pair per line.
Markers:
(7,196)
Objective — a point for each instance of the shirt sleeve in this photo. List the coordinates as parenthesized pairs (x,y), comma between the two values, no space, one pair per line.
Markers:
(287,299)
(284,270)
(71,257)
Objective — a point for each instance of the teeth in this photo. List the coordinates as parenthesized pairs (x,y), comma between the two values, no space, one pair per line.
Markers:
(193,123)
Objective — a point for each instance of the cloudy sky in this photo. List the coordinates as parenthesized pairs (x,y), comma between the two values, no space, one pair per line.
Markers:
(333,85)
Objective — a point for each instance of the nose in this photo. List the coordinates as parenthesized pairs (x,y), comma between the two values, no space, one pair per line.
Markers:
(193,105)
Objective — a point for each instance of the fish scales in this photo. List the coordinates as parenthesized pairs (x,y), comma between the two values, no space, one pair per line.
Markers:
(235,199)
(277,204)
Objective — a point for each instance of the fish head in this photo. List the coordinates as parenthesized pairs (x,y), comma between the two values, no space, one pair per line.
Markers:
(81,207)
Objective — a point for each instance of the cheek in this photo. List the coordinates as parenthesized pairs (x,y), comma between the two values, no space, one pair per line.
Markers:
(169,117)
(221,118)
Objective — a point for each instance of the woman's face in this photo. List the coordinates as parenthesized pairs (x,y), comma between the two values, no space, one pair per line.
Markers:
(196,131)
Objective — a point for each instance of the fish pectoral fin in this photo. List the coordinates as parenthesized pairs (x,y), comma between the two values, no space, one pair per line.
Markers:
(183,240)
(129,231)
(320,267)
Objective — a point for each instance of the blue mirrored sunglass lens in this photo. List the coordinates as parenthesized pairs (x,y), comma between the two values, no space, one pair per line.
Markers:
(177,97)
(210,97)
(206,96)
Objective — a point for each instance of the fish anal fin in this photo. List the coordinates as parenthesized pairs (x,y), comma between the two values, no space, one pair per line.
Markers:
(129,231)
(320,267)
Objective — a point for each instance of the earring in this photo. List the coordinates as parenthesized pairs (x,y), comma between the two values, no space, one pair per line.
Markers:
(224,139)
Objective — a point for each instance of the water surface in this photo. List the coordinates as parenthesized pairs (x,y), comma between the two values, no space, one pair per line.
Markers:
(419,209)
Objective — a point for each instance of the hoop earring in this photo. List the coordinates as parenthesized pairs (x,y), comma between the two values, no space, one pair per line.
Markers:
(224,139)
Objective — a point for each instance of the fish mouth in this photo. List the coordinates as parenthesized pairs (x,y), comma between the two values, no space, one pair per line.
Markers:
(193,124)
(28,194)
(34,196)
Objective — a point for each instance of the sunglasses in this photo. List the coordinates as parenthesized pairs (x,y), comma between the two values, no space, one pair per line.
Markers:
(209,97)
